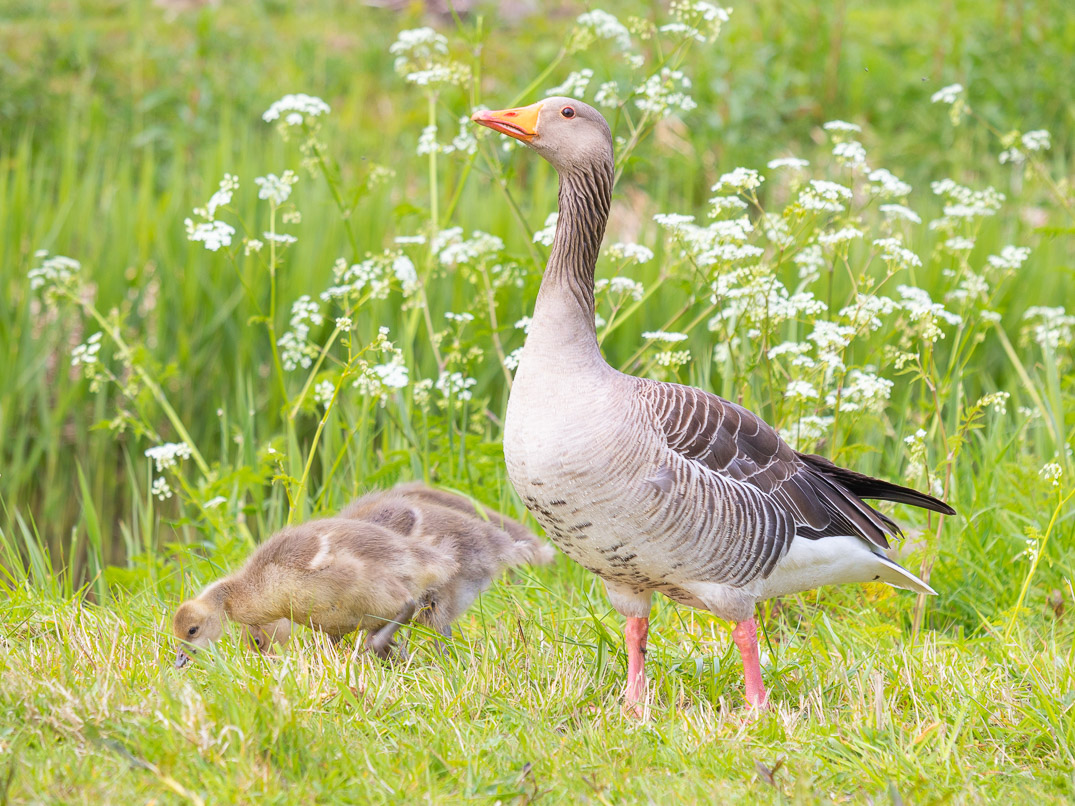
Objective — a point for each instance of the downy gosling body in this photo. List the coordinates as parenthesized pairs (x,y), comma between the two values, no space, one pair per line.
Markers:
(482,541)
(335,574)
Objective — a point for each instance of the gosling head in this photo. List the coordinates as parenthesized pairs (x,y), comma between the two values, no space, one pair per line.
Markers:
(261,637)
(568,133)
(197,624)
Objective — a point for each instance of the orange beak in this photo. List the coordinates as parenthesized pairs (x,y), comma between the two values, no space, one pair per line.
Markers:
(519,123)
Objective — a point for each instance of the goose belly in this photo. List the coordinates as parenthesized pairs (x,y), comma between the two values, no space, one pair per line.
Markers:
(584,495)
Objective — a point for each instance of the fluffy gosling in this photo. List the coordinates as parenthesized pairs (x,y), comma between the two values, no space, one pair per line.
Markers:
(481,540)
(334,574)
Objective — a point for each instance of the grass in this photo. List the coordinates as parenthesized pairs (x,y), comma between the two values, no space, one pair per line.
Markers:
(117,122)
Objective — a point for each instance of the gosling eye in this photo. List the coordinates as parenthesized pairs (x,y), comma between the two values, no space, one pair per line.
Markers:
(257,642)
(568,111)
(192,630)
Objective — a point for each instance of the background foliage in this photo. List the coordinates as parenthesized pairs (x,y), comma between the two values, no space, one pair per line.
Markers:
(119,118)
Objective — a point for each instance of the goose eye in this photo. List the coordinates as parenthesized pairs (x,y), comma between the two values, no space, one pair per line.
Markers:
(192,630)
(568,112)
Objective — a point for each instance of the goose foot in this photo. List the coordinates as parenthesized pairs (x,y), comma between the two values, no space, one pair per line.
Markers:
(745,635)
(380,642)
(634,698)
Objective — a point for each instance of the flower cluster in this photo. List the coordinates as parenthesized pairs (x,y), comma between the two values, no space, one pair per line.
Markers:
(422,59)
(210,232)
(294,110)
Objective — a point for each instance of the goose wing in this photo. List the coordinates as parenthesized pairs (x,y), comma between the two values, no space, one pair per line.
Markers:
(774,492)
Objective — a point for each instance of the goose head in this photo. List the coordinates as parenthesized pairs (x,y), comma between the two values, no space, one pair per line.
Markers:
(197,624)
(568,133)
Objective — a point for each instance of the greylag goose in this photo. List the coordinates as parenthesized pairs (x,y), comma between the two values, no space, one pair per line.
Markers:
(657,486)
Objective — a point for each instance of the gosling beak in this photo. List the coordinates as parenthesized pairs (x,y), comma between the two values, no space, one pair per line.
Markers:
(519,123)
(181,659)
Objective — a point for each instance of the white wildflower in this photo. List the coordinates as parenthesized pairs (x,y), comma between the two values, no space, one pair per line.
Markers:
(160,489)
(1052,473)
(252,246)
(1052,327)
(86,354)
(820,195)
(788,162)
(739,179)
(606,26)
(574,85)
(461,318)
(807,431)
(324,391)
(427,142)
(406,274)
(664,93)
(297,107)
(546,234)
(455,385)
(393,375)
(410,240)
(213,234)
(608,95)
(997,400)
(893,251)
(724,204)
(459,252)
(1037,140)
(841,126)
(54,272)
(898,211)
(1010,258)
(947,95)
(619,286)
(168,455)
(843,235)
(925,312)
(958,244)
(673,222)
(279,237)
(863,391)
(800,390)
(850,152)
(662,335)
(630,252)
(887,185)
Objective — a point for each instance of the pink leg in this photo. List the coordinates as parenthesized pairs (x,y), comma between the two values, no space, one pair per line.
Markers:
(745,635)
(635,632)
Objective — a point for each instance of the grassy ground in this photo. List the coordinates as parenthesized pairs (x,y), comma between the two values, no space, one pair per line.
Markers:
(116,121)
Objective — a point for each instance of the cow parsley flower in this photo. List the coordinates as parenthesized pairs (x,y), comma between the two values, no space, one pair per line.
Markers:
(898,211)
(455,385)
(619,286)
(1010,258)
(788,162)
(608,95)
(893,251)
(863,391)
(1052,327)
(1052,473)
(275,188)
(55,273)
(546,234)
(574,85)
(394,374)
(630,252)
(603,25)
(662,335)
(850,152)
(740,179)
(168,455)
(800,390)
(213,234)
(296,109)
(820,195)
(422,59)
(887,185)
(958,244)
(86,354)
(843,235)
(947,95)
(841,126)
(664,93)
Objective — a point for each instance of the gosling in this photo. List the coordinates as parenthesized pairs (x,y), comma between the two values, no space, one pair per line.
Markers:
(481,540)
(335,574)
(409,552)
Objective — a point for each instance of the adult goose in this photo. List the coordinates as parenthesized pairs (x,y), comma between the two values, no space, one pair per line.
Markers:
(657,486)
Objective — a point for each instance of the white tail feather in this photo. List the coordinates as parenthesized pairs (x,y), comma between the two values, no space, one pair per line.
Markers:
(899,577)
